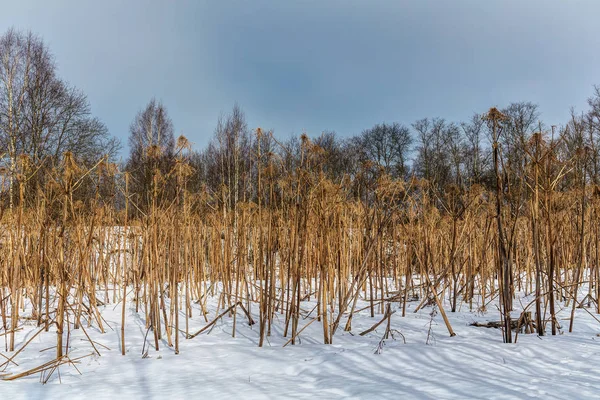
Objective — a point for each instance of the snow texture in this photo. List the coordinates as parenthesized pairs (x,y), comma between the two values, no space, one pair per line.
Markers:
(473,364)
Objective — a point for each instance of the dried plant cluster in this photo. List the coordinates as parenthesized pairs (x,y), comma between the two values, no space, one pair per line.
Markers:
(302,237)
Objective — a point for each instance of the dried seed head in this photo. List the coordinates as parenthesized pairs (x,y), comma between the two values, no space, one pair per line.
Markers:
(70,166)
(184,169)
(537,136)
(158,176)
(269,170)
(317,150)
(112,169)
(304,139)
(24,160)
(154,151)
(452,190)
(183,143)
(53,186)
(495,114)
(78,205)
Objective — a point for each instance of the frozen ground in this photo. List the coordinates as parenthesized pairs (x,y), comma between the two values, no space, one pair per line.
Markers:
(473,364)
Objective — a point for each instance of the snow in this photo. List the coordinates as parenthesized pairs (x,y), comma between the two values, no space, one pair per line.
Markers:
(473,364)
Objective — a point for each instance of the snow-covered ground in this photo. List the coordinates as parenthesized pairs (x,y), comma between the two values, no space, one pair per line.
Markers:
(473,364)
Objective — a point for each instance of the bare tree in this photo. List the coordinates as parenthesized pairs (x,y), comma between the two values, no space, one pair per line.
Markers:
(433,160)
(476,161)
(592,120)
(386,145)
(15,61)
(151,143)
(522,119)
(41,117)
(227,161)
(336,162)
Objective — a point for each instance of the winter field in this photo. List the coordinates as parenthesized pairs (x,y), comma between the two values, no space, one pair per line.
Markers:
(418,360)
(339,242)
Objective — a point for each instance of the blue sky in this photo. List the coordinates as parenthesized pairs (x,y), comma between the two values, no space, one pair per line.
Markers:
(310,66)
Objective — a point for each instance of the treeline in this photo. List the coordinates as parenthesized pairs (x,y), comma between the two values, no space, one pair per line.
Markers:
(449,157)
(43,118)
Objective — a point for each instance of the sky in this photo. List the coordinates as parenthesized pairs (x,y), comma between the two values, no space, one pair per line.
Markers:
(308,66)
